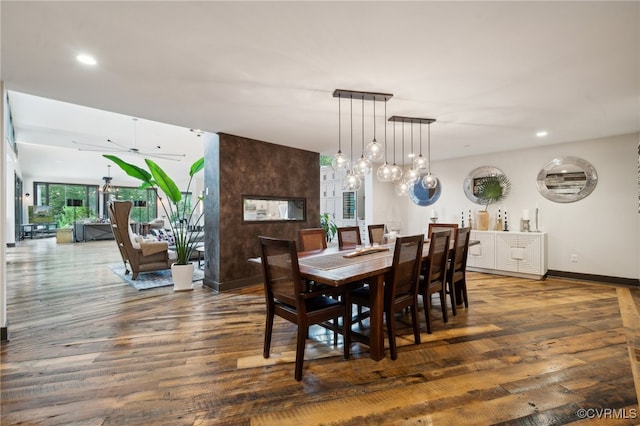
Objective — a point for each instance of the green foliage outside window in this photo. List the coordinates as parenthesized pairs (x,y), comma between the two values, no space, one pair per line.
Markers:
(325,160)
(56,195)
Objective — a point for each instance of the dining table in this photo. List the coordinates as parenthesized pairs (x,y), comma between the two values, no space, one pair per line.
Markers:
(331,267)
(335,267)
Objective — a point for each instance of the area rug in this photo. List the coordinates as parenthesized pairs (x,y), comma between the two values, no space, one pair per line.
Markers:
(149,280)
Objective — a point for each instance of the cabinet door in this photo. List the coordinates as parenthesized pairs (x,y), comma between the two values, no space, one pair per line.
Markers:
(482,255)
(519,253)
(508,252)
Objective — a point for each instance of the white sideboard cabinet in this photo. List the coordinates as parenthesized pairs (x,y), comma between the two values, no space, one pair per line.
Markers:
(521,254)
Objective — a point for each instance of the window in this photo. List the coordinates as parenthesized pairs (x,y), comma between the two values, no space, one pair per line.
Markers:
(55,195)
(144,202)
(348,205)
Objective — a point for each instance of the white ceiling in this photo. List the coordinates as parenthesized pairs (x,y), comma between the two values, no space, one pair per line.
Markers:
(490,73)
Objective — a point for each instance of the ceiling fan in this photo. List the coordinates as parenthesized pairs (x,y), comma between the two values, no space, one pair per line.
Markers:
(116,147)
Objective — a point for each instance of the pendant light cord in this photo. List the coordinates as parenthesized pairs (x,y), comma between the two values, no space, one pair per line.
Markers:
(385,126)
(363,125)
(402,166)
(394,142)
(351,131)
(339,123)
(374,117)
(429,148)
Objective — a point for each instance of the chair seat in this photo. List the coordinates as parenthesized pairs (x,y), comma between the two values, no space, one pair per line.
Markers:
(321,302)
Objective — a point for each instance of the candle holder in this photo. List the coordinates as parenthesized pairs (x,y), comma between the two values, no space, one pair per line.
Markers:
(524,225)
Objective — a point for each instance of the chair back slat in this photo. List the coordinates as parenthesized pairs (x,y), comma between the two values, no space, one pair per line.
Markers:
(376,234)
(312,239)
(349,237)
(461,249)
(451,227)
(407,260)
(281,270)
(438,254)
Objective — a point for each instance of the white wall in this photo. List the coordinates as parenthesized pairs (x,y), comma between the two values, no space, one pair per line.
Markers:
(602,229)
(384,205)
(3,208)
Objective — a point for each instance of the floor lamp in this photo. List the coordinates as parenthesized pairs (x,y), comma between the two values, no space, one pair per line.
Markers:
(74,202)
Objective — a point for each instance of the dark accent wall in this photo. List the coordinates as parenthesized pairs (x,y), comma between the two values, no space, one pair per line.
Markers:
(237,166)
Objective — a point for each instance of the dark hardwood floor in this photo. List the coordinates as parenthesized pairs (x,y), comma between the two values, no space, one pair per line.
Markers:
(87,349)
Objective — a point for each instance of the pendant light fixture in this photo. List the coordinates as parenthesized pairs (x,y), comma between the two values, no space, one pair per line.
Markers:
(420,163)
(411,176)
(351,182)
(396,171)
(106,188)
(363,165)
(340,161)
(373,152)
(384,172)
(401,187)
(429,181)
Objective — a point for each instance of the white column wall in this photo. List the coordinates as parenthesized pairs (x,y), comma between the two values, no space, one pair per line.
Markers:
(3,215)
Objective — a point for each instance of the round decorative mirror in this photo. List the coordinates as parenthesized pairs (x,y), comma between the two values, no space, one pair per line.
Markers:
(567,179)
(475,178)
(423,196)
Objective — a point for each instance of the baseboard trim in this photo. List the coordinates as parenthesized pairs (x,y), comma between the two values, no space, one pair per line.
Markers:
(231,285)
(595,278)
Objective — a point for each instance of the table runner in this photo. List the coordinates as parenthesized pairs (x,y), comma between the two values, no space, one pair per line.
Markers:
(337,260)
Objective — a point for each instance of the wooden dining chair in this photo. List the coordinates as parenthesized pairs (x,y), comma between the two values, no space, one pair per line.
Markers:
(286,298)
(349,237)
(434,275)
(376,234)
(400,287)
(312,239)
(451,227)
(456,275)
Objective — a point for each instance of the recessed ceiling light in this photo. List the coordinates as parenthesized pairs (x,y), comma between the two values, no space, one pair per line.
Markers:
(86,59)
(542,133)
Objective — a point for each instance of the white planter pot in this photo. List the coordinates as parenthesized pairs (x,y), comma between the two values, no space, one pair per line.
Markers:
(182,277)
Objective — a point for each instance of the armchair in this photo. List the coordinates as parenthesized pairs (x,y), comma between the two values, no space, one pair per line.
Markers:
(140,256)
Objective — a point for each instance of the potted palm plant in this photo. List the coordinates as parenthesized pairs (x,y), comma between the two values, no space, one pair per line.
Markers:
(490,190)
(329,226)
(178,207)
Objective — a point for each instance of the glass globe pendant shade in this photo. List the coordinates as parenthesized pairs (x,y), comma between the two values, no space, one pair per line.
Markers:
(401,188)
(396,172)
(351,182)
(362,166)
(420,163)
(411,176)
(429,181)
(374,151)
(340,162)
(384,173)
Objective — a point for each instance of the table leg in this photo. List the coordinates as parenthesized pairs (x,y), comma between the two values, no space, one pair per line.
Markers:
(376,332)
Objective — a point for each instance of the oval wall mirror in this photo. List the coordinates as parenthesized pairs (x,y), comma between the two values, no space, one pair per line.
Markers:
(470,184)
(567,179)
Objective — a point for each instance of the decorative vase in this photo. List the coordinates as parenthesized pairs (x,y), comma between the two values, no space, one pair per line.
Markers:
(182,277)
(482,220)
